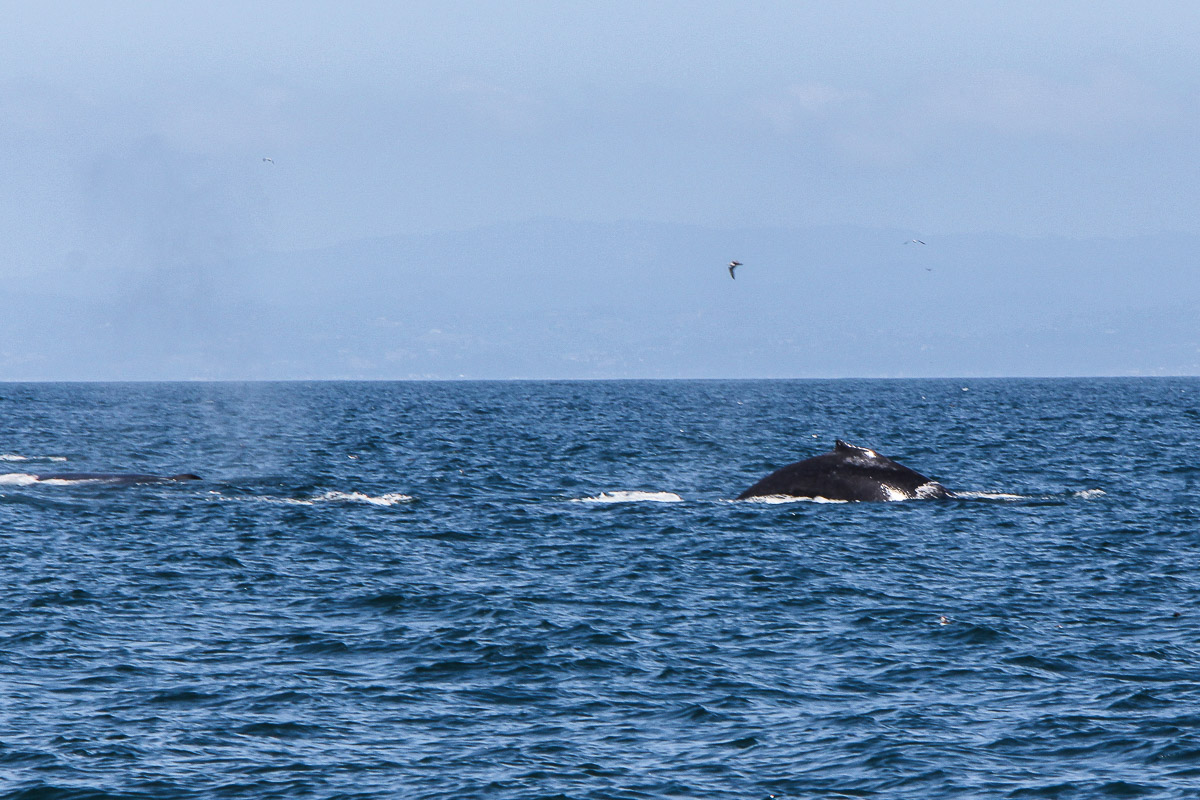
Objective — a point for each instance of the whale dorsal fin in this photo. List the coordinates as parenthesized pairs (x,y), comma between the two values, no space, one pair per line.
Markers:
(846,448)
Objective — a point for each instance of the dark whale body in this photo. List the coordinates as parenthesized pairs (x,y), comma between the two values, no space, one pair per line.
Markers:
(848,473)
(117,477)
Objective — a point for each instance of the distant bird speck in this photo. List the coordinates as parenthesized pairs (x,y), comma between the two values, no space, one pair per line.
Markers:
(268,160)
(914,241)
(732,266)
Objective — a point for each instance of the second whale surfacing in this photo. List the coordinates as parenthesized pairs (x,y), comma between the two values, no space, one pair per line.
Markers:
(114,477)
(851,473)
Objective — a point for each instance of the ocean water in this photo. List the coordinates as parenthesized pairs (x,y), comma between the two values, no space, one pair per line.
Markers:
(543,590)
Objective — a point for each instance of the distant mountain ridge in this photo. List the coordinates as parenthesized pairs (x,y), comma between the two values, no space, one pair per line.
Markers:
(553,299)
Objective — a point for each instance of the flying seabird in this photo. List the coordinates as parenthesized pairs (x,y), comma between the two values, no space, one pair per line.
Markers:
(268,160)
(732,266)
(914,241)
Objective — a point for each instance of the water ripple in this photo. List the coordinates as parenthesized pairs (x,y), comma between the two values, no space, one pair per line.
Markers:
(435,618)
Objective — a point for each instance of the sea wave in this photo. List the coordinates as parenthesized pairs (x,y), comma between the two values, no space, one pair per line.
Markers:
(631,497)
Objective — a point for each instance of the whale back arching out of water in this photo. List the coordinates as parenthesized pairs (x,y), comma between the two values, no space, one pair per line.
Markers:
(116,477)
(848,472)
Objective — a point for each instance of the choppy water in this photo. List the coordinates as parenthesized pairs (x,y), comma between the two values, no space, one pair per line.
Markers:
(540,590)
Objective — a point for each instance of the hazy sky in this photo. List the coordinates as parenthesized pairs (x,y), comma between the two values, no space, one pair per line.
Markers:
(132,134)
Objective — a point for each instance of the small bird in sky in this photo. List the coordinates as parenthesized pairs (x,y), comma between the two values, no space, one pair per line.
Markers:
(268,160)
(914,241)
(732,266)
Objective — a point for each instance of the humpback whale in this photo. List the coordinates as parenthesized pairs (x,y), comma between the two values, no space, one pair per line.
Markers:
(116,477)
(848,472)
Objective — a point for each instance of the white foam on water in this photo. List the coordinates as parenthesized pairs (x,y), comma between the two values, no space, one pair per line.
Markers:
(990,496)
(15,457)
(389,499)
(1085,494)
(631,497)
(17,479)
(775,499)
(282,501)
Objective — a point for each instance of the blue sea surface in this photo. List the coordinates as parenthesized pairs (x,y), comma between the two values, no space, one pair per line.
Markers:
(544,590)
